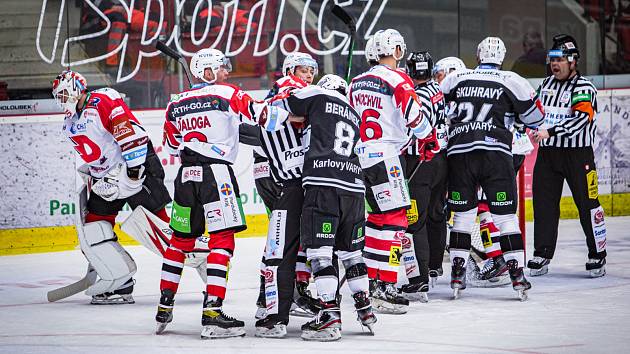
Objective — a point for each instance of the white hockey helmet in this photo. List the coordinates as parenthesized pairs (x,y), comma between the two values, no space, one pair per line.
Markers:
(448,64)
(208,58)
(67,90)
(386,42)
(370,51)
(298,59)
(333,82)
(491,51)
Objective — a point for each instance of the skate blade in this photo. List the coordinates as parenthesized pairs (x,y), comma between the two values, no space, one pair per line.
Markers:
(300,312)
(522,295)
(388,308)
(325,335)
(500,282)
(538,272)
(159,329)
(216,332)
(278,331)
(596,273)
(422,297)
(261,313)
(114,300)
(368,326)
(456,293)
(433,282)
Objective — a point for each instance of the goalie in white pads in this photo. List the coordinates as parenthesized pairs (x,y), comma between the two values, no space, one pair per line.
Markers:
(121,167)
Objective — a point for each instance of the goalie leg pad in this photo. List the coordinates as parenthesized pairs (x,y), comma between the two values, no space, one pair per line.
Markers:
(148,229)
(112,263)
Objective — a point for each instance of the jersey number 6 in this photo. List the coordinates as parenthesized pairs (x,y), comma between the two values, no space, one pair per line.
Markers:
(370,129)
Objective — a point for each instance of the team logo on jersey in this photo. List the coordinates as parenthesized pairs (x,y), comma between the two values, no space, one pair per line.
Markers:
(394,171)
(226,189)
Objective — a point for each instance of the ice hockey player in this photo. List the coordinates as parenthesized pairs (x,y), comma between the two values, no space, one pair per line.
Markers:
(202,128)
(285,267)
(299,70)
(425,240)
(333,213)
(445,66)
(388,105)
(479,154)
(121,167)
(566,152)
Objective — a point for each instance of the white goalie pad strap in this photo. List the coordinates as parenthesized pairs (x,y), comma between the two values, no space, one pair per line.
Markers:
(148,229)
(117,184)
(112,263)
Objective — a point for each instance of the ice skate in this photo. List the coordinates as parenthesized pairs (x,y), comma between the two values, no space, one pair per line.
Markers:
(596,267)
(538,266)
(365,316)
(386,299)
(271,327)
(434,274)
(416,292)
(475,276)
(520,284)
(326,326)
(458,276)
(217,324)
(304,305)
(164,314)
(120,296)
(493,269)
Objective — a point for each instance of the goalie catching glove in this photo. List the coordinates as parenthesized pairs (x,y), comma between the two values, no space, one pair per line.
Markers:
(428,146)
(120,182)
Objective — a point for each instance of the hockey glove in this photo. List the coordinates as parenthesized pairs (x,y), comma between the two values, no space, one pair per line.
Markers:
(428,146)
(117,184)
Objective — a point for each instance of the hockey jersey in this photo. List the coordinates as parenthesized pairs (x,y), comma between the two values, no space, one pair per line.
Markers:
(284,146)
(388,106)
(487,102)
(206,120)
(106,133)
(331,134)
(434,108)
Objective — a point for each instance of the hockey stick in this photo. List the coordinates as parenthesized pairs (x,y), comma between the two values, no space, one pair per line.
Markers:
(162,47)
(74,288)
(341,14)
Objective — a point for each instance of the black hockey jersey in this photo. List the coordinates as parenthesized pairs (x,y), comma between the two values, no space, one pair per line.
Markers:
(331,135)
(484,99)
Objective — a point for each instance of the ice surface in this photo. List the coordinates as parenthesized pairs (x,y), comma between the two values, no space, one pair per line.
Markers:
(566,310)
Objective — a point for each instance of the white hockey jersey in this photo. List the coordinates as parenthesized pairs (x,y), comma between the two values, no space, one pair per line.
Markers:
(388,105)
(106,133)
(205,120)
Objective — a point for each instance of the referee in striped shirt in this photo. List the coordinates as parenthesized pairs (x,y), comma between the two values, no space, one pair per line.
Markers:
(566,152)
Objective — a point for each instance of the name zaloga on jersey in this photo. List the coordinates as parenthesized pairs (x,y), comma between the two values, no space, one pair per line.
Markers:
(485,102)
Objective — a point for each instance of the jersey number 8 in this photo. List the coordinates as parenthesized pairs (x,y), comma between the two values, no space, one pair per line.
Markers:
(344,139)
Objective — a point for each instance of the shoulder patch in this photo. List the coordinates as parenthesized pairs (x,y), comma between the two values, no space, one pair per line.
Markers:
(581,97)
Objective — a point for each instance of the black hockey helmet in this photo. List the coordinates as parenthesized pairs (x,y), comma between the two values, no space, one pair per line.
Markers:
(564,46)
(420,65)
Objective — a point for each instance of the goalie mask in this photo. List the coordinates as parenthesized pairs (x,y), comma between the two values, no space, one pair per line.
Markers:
(67,90)
(491,51)
(212,59)
(420,65)
(296,59)
(333,82)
